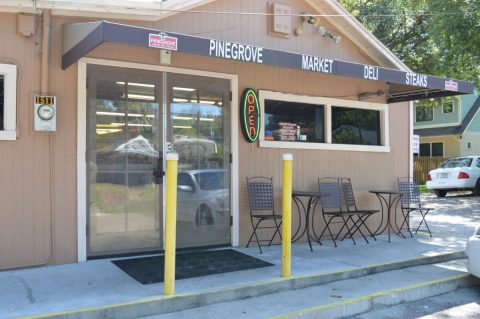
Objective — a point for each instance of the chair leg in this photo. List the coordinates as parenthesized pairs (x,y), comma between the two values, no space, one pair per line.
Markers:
(327,227)
(355,227)
(255,234)
(423,221)
(364,221)
(406,217)
(358,223)
(345,221)
(277,230)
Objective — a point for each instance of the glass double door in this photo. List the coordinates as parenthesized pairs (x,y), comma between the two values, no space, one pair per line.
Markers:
(134,117)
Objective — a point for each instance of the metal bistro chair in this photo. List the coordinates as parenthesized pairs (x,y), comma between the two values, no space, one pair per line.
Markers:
(363,214)
(262,208)
(410,201)
(332,209)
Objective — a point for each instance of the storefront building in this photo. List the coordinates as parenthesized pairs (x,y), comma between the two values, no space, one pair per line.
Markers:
(91,107)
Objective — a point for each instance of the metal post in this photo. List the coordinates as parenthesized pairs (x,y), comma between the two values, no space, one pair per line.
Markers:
(171,224)
(287,215)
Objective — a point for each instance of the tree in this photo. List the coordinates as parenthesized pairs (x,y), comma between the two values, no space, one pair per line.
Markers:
(439,37)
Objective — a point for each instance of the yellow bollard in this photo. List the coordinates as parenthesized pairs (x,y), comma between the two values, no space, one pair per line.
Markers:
(287,215)
(170,224)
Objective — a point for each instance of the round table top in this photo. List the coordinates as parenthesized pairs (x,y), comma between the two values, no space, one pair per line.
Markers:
(385,191)
(307,193)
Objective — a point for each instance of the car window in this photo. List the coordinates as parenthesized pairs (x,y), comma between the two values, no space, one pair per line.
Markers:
(185,180)
(478,162)
(211,180)
(457,162)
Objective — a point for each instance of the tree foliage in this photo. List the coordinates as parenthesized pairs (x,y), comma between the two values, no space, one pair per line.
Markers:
(439,37)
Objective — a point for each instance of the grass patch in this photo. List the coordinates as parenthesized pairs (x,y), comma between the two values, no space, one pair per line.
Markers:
(424,189)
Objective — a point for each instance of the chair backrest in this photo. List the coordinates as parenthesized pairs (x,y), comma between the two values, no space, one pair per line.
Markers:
(348,194)
(260,193)
(331,201)
(411,192)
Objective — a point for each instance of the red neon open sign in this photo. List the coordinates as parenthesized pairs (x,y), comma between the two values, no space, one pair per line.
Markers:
(250,115)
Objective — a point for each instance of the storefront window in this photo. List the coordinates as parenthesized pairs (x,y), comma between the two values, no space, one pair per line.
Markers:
(311,122)
(355,126)
(294,122)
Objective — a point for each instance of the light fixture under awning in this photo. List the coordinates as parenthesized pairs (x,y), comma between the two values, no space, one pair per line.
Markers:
(81,38)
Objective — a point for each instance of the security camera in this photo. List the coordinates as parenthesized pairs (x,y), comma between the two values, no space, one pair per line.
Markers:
(311,20)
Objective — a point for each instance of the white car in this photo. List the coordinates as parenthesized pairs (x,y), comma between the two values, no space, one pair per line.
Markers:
(203,197)
(473,253)
(454,174)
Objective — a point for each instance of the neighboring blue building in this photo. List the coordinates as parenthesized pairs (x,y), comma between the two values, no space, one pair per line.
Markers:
(450,128)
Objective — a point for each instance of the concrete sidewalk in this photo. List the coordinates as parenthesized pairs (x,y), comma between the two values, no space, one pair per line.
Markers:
(100,283)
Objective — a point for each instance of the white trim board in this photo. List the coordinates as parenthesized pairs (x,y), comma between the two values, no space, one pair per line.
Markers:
(82,142)
(9,73)
(419,127)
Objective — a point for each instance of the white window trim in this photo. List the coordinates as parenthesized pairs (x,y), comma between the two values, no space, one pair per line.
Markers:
(453,107)
(9,132)
(328,103)
(429,121)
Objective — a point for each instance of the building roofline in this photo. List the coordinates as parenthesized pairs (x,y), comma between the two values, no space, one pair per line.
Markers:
(356,31)
(454,129)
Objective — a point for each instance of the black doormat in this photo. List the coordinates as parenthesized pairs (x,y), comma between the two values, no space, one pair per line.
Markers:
(149,270)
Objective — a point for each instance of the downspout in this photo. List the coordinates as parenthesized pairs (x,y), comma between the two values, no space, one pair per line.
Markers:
(44,68)
(44,88)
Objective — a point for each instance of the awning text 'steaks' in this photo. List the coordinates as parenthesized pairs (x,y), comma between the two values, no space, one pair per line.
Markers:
(80,38)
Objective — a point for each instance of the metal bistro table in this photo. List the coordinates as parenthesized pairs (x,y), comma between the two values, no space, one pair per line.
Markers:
(313,198)
(388,199)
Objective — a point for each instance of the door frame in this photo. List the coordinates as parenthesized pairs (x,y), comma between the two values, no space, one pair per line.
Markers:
(82,207)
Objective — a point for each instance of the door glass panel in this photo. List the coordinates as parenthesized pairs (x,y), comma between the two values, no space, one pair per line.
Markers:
(197,129)
(124,147)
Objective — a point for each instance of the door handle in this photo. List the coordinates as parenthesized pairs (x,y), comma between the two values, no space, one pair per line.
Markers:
(158,172)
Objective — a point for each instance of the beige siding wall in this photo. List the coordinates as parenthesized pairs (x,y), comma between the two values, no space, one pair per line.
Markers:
(24,164)
(474,139)
(25,214)
(451,144)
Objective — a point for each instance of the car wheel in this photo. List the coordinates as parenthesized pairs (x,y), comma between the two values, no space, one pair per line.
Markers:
(440,192)
(476,190)
(203,216)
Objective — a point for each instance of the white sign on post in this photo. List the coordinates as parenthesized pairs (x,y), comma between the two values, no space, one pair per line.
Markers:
(415,144)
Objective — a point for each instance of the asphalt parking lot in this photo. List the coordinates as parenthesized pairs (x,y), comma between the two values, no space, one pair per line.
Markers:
(458,212)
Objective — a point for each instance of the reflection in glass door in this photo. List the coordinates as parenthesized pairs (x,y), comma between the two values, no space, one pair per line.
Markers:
(131,115)
(198,130)
(124,144)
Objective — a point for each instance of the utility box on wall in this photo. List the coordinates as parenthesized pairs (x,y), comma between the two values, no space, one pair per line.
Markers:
(45,113)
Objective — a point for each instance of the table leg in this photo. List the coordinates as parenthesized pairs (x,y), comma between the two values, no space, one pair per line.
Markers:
(309,208)
(301,210)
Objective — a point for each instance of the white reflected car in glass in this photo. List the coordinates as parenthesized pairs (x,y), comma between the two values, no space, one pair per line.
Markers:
(473,253)
(203,197)
(455,174)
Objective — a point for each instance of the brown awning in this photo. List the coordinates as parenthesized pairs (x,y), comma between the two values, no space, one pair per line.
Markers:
(80,38)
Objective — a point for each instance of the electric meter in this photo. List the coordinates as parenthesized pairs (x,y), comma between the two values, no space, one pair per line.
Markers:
(45,113)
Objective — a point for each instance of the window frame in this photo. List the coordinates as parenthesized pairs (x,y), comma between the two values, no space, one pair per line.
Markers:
(9,72)
(443,106)
(424,108)
(328,103)
(431,149)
